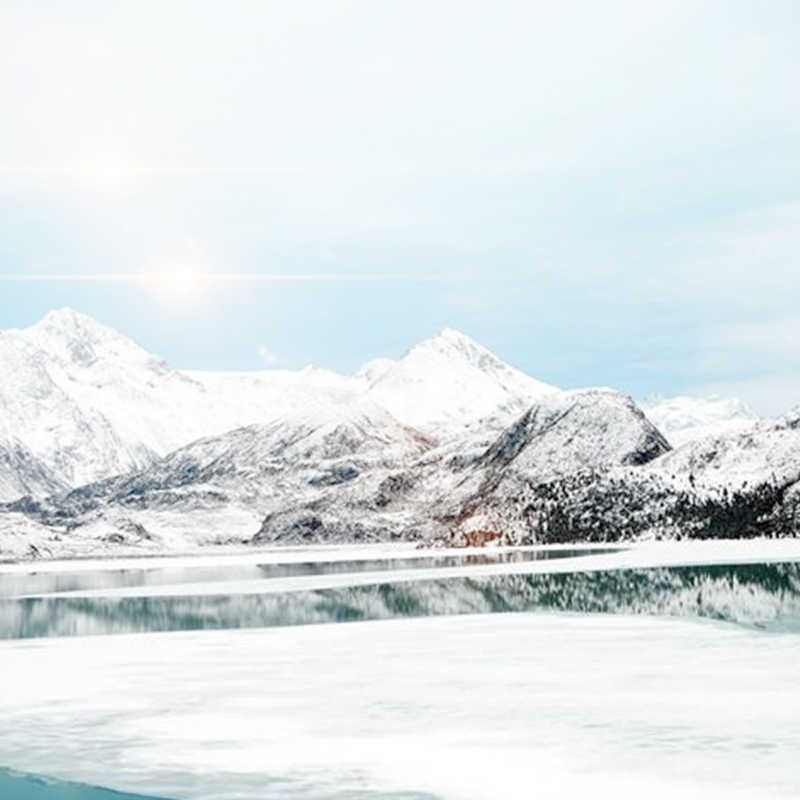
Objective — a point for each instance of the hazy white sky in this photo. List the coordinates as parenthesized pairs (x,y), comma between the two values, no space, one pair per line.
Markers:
(600,192)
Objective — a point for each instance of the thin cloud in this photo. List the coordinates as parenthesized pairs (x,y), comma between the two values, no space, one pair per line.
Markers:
(267,356)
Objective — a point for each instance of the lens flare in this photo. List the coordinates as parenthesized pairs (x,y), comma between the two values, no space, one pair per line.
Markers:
(180,281)
(107,175)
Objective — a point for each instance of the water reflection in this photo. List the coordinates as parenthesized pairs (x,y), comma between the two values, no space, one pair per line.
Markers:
(759,595)
(34,583)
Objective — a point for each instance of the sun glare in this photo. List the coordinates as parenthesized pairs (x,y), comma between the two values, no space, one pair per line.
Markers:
(179,281)
(107,175)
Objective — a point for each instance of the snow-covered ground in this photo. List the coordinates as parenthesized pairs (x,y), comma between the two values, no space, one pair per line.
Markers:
(467,708)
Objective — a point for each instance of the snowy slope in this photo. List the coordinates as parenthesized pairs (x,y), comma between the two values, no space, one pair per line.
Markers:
(21,473)
(447,444)
(573,431)
(449,380)
(224,486)
(261,396)
(768,450)
(356,473)
(327,448)
(89,403)
(576,466)
(50,401)
(685,419)
(562,438)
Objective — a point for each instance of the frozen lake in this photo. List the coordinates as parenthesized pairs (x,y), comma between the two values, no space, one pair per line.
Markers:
(435,692)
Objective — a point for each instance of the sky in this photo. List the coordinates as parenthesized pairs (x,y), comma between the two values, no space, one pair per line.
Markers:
(601,193)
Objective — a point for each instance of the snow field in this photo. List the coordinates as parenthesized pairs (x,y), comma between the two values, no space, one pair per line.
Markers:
(467,708)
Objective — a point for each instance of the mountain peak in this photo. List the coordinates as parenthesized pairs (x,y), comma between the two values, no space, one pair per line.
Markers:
(452,380)
(70,324)
(456,348)
(452,335)
(461,351)
(451,342)
(66,315)
(79,339)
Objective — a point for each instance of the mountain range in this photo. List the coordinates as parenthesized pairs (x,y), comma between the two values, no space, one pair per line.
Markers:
(104,446)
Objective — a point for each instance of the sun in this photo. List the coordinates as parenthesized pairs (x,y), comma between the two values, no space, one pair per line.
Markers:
(179,281)
(107,175)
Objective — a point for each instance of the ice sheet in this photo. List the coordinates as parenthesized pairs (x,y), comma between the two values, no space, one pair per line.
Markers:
(465,708)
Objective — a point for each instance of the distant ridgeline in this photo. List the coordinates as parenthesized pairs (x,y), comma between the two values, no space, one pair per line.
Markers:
(105,448)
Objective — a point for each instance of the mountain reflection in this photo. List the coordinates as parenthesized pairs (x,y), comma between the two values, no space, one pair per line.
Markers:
(759,595)
(83,580)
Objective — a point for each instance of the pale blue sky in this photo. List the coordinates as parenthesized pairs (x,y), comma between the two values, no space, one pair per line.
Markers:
(603,193)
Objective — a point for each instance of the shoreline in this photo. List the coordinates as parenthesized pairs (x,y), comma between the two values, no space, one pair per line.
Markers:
(620,556)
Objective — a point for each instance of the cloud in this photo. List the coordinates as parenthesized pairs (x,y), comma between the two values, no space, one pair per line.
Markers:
(267,357)
(773,342)
(755,360)
(517,86)
(769,393)
(751,259)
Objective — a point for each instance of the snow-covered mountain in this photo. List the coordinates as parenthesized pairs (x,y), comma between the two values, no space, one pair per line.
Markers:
(88,403)
(765,450)
(52,414)
(21,473)
(448,380)
(355,472)
(686,419)
(609,474)
(576,466)
(113,448)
